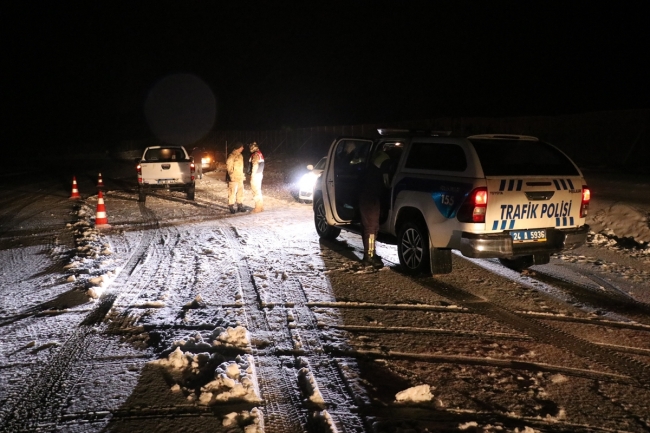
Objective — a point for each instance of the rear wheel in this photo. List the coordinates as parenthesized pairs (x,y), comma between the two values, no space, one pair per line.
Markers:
(413,248)
(142,195)
(323,229)
(190,193)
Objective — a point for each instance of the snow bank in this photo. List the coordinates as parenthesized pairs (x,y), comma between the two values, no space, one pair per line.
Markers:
(89,267)
(623,221)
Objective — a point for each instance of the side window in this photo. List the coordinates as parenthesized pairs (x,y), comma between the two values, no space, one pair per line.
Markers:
(351,154)
(436,156)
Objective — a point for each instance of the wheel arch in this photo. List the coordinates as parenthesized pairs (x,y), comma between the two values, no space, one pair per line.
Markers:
(410,214)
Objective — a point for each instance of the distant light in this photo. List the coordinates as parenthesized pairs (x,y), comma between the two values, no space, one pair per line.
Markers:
(307,182)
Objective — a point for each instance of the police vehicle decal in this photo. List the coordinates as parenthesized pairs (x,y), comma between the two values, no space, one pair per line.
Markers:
(447,196)
(510,214)
(516,184)
(563,184)
(512,184)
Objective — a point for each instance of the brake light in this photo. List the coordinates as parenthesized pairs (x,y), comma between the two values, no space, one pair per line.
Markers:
(139,170)
(584,205)
(474,207)
(480,205)
(192,169)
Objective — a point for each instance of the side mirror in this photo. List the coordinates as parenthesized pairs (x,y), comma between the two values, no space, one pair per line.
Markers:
(310,167)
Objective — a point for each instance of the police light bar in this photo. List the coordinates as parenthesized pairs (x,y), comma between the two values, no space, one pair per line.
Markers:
(504,137)
(391,131)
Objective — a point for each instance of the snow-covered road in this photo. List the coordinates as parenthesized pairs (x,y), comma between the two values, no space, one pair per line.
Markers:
(182,317)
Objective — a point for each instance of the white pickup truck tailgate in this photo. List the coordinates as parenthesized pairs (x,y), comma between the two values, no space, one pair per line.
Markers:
(165,172)
(524,203)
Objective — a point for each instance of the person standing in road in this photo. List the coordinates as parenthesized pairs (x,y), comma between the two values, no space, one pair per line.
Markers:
(256,171)
(372,186)
(235,172)
(197,154)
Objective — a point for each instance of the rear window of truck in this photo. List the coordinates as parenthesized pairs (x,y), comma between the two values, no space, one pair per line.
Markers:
(522,158)
(165,154)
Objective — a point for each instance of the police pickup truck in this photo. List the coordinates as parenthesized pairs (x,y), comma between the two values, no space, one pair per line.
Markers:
(511,197)
(165,167)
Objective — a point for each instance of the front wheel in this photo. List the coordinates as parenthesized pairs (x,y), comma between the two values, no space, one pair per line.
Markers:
(323,229)
(413,248)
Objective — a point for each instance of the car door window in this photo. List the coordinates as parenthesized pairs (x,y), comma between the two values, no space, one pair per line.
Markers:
(351,157)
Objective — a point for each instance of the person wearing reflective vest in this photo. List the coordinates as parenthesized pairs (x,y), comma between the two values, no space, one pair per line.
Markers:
(235,178)
(256,171)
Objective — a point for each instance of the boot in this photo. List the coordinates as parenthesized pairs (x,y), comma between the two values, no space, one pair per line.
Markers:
(369,256)
(374,261)
(258,208)
(240,207)
(232,208)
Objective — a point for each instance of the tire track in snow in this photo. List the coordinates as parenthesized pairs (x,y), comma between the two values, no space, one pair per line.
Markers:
(282,412)
(332,405)
(607,296)
(41,406)
(639,372)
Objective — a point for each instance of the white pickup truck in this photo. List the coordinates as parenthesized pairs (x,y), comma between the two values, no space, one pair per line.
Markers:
(511,197)
(165,167)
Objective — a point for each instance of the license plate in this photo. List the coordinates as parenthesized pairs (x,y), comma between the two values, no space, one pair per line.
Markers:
(166,180)
(528,235)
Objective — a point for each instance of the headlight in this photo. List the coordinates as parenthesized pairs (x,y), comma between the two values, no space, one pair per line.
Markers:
(307,182)
(205,160)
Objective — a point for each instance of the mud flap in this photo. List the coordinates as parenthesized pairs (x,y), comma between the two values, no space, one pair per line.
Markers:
(440,261)
(541,259)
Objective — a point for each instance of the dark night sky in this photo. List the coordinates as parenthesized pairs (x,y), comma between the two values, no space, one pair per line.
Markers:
(82,71)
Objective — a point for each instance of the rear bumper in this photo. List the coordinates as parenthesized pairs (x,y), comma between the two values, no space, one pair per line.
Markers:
(169,186)
(500,245)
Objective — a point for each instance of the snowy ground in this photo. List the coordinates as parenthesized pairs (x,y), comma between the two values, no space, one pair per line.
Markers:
(181,317)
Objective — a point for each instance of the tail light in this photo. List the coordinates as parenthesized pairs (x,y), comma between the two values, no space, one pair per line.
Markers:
(139,170)
(584,205)
(474,207)
(192,169)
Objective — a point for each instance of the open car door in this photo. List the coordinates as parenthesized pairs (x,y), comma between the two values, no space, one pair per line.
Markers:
(348,159)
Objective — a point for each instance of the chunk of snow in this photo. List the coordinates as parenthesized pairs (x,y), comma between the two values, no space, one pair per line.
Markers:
(415,394)
(237,337)
(234,381)
(95,292)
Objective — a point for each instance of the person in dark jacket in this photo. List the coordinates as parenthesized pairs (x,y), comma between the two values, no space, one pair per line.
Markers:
(197,154)
(373,184)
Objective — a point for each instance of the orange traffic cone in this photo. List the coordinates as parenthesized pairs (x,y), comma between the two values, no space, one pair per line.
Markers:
(75,192)
(100,182)
(100,216)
